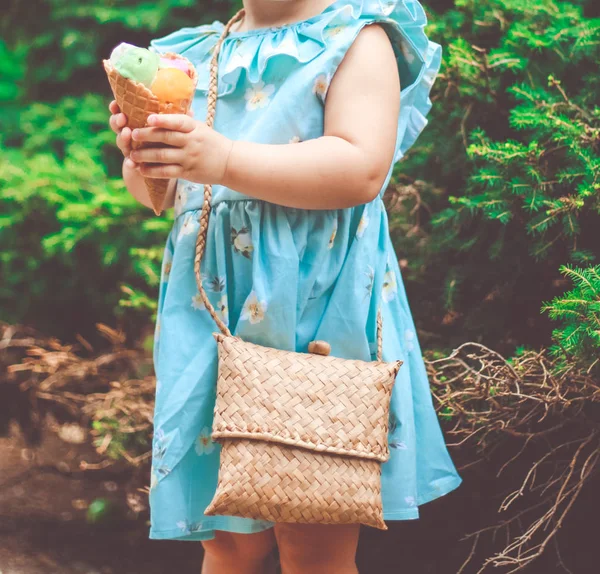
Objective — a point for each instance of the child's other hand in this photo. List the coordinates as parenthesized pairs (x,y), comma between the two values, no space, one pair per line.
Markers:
(118,124)
(186,149)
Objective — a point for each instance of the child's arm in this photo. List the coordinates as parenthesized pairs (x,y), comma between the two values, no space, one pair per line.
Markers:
(134,182)
(345,167)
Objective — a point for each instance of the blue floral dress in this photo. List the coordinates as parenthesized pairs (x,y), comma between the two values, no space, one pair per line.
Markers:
(282,277)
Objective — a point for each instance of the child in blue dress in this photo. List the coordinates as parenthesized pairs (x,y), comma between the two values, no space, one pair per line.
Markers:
(317,100)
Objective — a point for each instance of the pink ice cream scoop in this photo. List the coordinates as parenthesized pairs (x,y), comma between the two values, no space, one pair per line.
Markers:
(174,63)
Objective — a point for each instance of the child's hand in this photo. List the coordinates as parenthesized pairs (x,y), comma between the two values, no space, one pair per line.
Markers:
(186,149)
(118,124)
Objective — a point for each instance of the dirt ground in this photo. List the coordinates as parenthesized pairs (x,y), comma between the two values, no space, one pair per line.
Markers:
(44,500)
(43,507)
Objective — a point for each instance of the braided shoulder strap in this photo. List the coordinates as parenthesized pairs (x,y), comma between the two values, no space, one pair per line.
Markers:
(206,206)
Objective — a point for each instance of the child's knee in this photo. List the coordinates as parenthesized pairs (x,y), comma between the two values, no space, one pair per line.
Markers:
(317,548)
(240,548)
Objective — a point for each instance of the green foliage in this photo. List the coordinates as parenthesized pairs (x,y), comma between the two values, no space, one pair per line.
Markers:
(76,247)
(67,40)
(114,441)
(499,193)
(579,312)
(67,228)
(512,163)
(12,70)
(101,511)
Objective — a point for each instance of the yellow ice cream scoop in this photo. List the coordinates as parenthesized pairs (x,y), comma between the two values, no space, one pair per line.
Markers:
(172,85)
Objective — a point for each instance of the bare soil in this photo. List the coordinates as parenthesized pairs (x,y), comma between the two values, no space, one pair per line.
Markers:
(44,499)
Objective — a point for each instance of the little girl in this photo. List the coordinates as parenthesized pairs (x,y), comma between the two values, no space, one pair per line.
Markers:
(308,128)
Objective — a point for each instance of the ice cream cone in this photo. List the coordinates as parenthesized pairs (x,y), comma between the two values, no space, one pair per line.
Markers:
(137,102)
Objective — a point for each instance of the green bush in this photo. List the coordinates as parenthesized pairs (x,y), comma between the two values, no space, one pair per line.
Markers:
(76,247)
(512,170)
(579,311)
(68,229)
(499,193)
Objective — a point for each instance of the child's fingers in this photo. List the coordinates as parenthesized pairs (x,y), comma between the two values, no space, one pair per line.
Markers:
(161,171)
(124,141)
(129,163)
(126,136)
(159,135)
(117,122)
(163,155)
(177,122)
(114,107)
(112,122)
(121,120)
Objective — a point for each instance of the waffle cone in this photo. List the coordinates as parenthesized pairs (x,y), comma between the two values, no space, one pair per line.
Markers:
(137,102)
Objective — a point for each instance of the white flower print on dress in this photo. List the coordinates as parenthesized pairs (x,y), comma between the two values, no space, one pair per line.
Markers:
(333,234)
(163,470)
(409,55)
(258,96)
(197,302)
(410,500)
(295,139)
(223,309)
(321,86)
(204,443)
(393,423)
(387,6)
(390,287)
(182,525)
(181,197)
(242,241)
(334,31)
(362,225)
(253,310)
(429,77)
(370,273)
(167,269)
(214,283)
(409,340)
(159,445)
(187,227)
(346,14)
(153,479)
(189,527)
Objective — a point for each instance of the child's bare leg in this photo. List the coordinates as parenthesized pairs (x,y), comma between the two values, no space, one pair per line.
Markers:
(318,549)
(230,553)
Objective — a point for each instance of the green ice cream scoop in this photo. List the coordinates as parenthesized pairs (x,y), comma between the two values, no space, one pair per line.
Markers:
(137,64)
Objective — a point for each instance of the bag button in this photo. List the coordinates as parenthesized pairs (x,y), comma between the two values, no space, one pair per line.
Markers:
(319,348)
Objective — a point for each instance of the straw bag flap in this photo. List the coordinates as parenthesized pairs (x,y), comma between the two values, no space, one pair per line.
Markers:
(324,404)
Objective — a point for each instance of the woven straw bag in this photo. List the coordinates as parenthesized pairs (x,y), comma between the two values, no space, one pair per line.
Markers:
(303,435)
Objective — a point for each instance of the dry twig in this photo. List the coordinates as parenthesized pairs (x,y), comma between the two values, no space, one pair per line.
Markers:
(543,412)
(530,402)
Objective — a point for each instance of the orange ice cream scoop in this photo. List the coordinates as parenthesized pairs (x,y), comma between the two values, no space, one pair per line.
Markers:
(172,85)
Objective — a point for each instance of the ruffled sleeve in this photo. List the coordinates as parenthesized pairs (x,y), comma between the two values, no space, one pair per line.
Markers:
(195,44)
(418,58)
(191,41)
